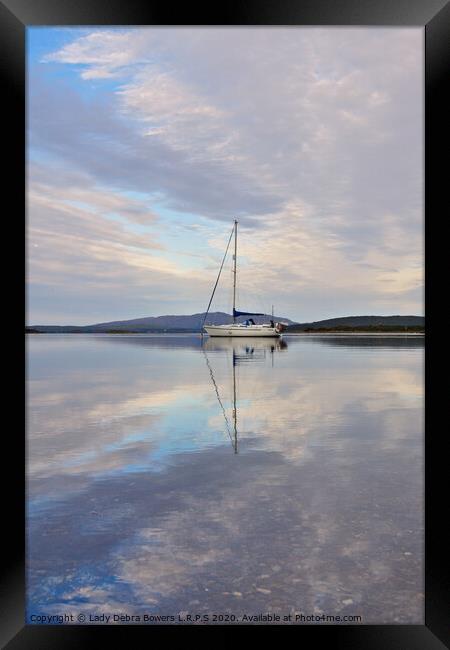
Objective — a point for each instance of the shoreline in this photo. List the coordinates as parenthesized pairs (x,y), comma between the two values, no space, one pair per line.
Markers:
(355,334)
(287,334)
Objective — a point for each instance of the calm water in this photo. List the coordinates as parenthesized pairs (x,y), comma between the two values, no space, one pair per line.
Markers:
(148,493)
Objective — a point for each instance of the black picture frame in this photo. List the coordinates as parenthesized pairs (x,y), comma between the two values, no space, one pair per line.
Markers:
(434,17)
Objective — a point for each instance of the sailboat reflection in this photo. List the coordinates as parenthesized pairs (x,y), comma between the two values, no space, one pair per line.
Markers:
(244,351)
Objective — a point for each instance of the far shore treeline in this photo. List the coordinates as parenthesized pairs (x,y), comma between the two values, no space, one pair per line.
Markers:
(193,324)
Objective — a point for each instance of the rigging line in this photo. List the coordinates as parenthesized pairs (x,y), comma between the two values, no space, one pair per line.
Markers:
(217,281)
(218,397)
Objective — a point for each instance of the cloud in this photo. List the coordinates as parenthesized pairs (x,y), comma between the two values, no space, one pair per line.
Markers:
(312,138)
(104,53)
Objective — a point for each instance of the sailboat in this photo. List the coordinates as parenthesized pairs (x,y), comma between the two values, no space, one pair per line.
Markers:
(248,327)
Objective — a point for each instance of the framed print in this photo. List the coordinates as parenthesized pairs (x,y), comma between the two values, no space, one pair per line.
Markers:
(225,223)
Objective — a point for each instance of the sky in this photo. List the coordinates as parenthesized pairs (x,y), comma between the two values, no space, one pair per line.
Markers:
(144,144)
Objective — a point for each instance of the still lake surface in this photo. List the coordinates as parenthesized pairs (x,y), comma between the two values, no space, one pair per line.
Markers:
(148,493)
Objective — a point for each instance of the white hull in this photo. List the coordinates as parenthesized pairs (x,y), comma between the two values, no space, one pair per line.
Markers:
(241,330)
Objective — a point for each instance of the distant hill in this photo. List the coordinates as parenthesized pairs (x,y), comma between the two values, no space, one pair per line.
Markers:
(190,323)
(193,323)
(383,323)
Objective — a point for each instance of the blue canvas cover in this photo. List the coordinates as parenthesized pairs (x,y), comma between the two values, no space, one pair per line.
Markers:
(246,313)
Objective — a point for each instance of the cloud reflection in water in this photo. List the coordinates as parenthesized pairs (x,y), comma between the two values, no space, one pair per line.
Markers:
(137,502)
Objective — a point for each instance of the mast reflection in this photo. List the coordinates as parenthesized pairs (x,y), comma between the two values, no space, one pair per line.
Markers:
(242,352)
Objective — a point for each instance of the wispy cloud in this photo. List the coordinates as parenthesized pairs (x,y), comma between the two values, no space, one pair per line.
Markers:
(311,137)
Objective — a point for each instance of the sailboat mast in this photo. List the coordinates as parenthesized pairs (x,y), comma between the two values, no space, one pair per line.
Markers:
(234,269)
